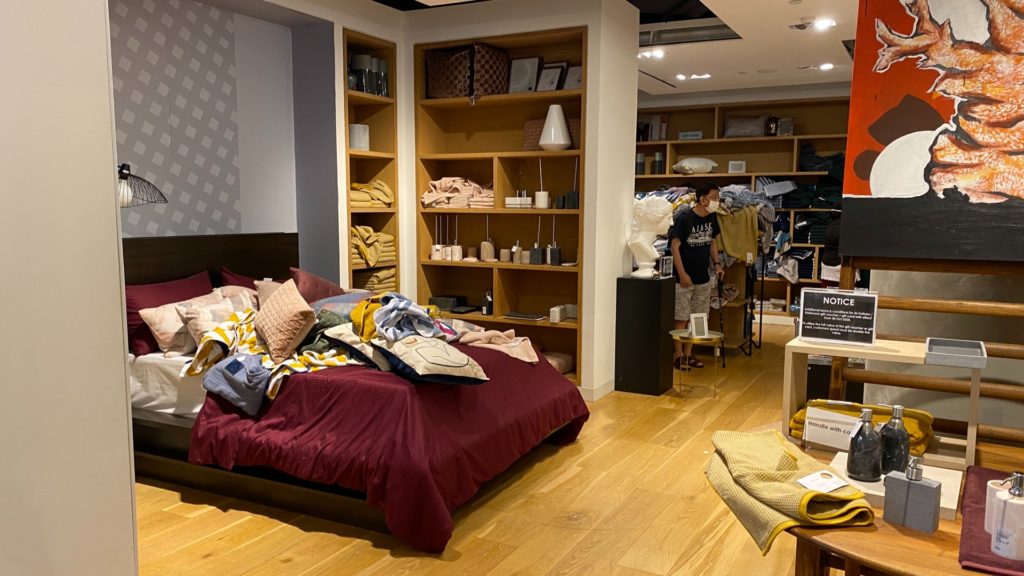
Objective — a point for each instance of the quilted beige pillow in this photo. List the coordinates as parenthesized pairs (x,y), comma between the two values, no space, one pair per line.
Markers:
(284,320)
(168,328)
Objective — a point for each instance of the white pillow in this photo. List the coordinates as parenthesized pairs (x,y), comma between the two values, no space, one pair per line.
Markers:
(695,166)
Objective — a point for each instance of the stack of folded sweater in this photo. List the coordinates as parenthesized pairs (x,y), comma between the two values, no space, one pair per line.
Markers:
(379,281)
(371,248)
(375,194)
(457,192)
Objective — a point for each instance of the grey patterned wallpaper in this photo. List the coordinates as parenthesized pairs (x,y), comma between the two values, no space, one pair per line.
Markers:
(176,114)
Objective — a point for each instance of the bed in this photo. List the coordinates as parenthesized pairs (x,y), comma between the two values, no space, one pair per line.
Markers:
(353,444)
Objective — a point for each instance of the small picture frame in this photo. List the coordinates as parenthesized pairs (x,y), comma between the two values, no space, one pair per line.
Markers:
(522,74)
(573,78)
(698,325)
(665,266)
(552,76)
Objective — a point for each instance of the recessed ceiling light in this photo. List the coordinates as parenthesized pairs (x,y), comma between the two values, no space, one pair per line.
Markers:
(826,66)
(700,76)
(824,23)
(658,53)
(680,76)
(819,24)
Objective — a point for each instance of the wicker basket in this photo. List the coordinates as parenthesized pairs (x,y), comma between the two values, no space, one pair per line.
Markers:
(473,71)
(533,128)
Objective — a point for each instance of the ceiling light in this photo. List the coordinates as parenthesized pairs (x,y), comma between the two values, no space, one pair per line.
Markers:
(700,76)
(824,24)
(680,76)
(819,24)
(826,66)
(658,53)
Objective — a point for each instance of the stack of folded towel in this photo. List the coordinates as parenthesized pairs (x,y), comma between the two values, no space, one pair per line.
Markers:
(379,281)
(374,194)
(370,248)
(457,192)
(917,422)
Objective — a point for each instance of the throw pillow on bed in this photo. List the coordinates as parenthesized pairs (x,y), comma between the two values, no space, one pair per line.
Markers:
(168,328)
(240,297)
(284,320)
(139,296)
(356,348)
(265,288)
(416,358)
(313,287)
(229,278)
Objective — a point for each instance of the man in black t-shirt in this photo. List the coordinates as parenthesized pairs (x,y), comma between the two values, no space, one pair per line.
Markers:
(693,251)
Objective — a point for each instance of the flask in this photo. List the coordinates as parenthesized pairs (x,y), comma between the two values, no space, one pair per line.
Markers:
(864,462)
(912,500)
(895,443)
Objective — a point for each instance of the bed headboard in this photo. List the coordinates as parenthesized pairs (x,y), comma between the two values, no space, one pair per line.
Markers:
(148,260)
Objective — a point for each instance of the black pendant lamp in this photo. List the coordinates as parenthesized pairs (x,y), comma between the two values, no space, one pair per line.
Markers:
(135,191)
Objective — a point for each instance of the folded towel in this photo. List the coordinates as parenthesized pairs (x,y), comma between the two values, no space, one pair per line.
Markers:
(917,422)
(756,475)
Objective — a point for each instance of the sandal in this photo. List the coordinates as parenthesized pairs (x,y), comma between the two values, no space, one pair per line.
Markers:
(679,364)
(693,362)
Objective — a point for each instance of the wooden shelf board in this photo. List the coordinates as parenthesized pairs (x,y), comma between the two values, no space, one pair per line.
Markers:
(572,377)
(477,317)
(362,210)
(495,100)
(803,209)
(820,136)
(744,139)
(365,99)
(370,154)
(520,211)
(771,279)
(388,264)
(501,265)
(807,245)
(726,175)
(781,313)
(808,281)
(508,154)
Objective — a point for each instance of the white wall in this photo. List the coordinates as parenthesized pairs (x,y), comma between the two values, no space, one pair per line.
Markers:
(66,490)
(266,129)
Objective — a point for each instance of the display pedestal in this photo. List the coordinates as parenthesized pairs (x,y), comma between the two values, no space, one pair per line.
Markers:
(643,350)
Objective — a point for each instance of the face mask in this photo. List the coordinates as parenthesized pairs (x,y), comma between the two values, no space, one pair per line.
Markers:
(713,206)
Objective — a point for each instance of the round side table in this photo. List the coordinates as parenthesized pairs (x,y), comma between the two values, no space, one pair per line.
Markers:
(717,342)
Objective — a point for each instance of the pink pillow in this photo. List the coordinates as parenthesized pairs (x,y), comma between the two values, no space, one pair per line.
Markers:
(140,296)
(313,287)
(229,278)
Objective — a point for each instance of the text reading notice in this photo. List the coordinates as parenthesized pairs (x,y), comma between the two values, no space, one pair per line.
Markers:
(843,317)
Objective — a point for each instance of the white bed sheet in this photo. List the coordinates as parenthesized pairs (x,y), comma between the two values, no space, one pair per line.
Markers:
(157,386)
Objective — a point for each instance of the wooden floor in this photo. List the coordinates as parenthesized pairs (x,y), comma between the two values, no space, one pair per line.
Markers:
(628,499)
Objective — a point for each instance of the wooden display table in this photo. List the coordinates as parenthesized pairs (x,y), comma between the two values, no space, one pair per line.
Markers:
(879,549)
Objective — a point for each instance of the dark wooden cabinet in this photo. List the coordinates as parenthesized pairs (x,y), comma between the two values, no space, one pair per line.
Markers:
(643,348)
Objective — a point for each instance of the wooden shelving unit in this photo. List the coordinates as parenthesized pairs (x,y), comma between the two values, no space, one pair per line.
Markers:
(484,142)
(381,160)
(822,122)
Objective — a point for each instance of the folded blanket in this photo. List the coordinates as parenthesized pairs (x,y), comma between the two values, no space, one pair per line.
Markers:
(917,422)
(756,475)
(398,317)
(453,192)
(376,192)
(505,342)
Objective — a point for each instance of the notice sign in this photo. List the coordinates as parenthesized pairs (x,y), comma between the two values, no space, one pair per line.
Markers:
(838,316)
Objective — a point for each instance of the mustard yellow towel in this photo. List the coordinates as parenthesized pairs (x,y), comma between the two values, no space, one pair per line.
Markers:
(756,475)
(917,422)
(362,319)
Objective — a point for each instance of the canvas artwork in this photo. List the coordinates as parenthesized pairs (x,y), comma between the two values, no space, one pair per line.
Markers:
(935,153)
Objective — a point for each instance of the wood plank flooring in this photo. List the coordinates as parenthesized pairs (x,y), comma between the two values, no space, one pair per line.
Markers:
(628,499)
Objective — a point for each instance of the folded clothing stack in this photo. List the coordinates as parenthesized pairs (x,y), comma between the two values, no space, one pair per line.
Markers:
(370,248)
(374,194)
(457,192)
(379,281)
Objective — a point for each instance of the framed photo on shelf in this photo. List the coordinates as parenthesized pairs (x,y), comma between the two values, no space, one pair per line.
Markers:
(522,74)
(573,78)
(552,76)
(698,325)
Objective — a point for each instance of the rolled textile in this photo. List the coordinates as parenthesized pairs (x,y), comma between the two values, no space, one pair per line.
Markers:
(917,422)
(756,475)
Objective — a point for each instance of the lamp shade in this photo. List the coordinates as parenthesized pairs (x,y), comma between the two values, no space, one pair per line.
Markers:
(135,191)
(555,135)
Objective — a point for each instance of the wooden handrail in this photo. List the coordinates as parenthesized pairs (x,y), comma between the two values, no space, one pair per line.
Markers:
(977,307)
(999,433)
(948,266)
(994,349)
(988,389)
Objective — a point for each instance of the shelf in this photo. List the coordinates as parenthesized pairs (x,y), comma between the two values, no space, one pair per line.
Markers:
(807,245)
(510,154)
(808,281)
(476,317)
(771,279)
(370,154)
(365,99)
(820,136)
(495,100)
(803,209)
(355,210)
(726,175)
(388,264)
(745,139)
(519,211)
(780,313)
(501,265)
(572,377)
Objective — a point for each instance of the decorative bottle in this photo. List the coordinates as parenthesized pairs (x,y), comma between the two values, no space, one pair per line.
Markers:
(1004,516)
(864,462)
(912,500)
(488,308)
(895,443)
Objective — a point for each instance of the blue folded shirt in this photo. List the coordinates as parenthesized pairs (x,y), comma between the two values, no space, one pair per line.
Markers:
(241,380)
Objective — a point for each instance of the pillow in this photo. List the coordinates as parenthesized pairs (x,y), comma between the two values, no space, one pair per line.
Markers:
(284,320)
(313,287)
(694,166)
(167,327)
(139,296)
(264,288)
(416,358)
(342,305)
(199,320)
(229,278)
(241,298)
(356,348)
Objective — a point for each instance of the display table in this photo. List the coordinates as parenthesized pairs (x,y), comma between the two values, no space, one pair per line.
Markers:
(714,339)
(878,549)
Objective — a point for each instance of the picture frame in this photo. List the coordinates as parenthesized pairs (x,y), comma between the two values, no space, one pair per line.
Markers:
(552,76)
(665,267)
(573,78)
(698,325)
(523,74)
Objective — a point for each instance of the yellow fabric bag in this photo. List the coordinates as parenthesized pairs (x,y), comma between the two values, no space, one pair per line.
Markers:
(917,422)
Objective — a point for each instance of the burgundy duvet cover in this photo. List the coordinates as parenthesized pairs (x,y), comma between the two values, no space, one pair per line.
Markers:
(418,451)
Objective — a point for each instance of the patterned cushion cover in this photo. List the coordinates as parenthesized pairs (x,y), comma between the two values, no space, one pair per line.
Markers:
(167,327)
(284,320)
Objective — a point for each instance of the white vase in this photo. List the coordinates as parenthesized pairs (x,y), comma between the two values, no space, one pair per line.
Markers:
(555,135)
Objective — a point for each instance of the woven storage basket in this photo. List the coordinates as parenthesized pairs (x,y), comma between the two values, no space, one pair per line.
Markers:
(533,128)
(473,71)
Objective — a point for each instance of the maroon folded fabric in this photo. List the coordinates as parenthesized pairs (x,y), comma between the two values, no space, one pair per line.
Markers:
(313,287)
(976,544)
(141,296)
(229,278)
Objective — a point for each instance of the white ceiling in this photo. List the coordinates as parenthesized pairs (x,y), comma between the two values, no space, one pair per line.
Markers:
(766,44)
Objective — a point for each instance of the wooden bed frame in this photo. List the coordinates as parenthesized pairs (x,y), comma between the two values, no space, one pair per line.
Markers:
(161,440)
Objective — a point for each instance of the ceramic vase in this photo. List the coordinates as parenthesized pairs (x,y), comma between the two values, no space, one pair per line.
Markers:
(555,135)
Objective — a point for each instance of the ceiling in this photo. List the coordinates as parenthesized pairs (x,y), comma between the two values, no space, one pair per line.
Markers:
(651,11)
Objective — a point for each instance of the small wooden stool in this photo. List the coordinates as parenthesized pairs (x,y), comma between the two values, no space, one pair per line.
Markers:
(714,339)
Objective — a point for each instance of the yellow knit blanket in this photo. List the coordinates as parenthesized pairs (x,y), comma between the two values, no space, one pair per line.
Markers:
(756,475)
(917,422)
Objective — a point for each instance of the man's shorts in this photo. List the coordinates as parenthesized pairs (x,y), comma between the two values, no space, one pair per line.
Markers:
(692,300)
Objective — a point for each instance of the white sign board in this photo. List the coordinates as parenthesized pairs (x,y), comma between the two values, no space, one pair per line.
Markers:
(838,316)
(828,428)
